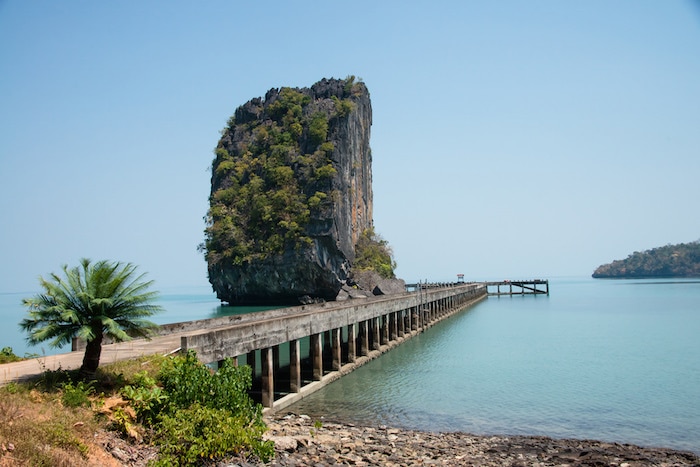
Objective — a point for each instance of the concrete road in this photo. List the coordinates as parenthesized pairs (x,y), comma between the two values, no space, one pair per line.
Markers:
(111,353)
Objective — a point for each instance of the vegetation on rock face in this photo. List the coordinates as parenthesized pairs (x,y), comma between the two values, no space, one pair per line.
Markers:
(271,177)
(90,302)
(682,260)
(373,253)
(291,192)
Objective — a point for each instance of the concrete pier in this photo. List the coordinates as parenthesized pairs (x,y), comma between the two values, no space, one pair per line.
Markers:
(340,336)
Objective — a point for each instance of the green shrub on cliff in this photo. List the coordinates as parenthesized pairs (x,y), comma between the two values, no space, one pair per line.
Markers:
(372,252)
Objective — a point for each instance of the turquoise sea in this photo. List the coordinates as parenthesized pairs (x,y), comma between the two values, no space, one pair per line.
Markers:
(617,360)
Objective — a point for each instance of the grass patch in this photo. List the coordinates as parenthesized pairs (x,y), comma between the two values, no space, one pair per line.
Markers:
(36,429)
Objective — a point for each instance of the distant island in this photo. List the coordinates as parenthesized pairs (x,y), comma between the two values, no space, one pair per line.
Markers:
(682,260)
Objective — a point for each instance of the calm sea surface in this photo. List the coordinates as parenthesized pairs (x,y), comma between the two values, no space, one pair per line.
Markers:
(613,360)
(616,360)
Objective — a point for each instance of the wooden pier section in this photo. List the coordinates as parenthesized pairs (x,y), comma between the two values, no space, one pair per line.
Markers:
(529,287)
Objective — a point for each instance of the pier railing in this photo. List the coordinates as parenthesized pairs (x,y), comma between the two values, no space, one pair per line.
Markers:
(527,287)
(504,287)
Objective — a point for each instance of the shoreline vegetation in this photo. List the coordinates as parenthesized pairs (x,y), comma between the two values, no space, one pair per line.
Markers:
(103,423)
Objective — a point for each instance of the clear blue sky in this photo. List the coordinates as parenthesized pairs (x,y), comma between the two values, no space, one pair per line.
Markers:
(531,138)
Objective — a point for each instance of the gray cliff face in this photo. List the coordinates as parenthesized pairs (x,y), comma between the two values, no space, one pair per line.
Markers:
(307,263)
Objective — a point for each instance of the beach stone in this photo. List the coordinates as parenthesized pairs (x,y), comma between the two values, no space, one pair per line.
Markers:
(284,443)
(337,444)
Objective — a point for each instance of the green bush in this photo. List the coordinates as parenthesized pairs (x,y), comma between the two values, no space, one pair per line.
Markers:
(318,128)
(199,433)
(51,380)
(8,356)
(372,252)
(147,399)
(208,414)
(343,107)
(77,395)
(326,171)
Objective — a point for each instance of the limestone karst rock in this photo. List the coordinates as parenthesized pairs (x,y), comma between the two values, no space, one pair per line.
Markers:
(291,194)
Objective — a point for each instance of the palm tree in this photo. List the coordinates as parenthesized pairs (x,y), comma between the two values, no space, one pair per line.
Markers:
(92,301)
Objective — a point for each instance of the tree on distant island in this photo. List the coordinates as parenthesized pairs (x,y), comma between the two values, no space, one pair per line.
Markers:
(682,260)
(92,301)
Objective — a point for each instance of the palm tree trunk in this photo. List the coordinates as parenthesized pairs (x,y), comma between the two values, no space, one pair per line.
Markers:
(91,359)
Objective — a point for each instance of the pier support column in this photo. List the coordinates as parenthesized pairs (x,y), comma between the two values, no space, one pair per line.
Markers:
(317,356)
(375,334)
(385,329)
(294,366)
(276,359)
(393,325)
(352,343)
(327,350)
(364,338)
(336,349)
(268,378)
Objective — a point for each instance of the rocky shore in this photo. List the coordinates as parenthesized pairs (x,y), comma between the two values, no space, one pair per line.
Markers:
(301,441)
